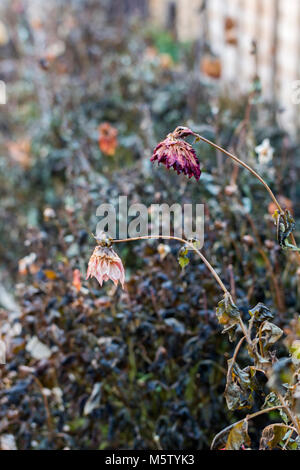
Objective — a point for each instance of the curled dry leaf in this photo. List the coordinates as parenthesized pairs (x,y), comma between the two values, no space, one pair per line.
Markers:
(238,436)
(270,333)
(261,313)
(272,435)
(228,315)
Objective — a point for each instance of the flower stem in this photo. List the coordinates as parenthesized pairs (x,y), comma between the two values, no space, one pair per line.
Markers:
(240,162)
(170,237)
(254,173)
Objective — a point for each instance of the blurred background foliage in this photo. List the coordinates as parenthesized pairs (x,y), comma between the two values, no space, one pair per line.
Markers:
(96,368)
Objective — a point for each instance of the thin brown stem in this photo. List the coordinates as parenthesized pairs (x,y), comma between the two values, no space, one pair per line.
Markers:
(185,242)
(238,348)
(244,330)
(240,162)
(293,418)
(254,173)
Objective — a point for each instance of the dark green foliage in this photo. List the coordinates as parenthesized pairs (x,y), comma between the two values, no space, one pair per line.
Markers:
(145,368)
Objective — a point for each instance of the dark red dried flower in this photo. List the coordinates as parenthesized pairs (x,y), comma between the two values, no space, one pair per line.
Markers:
(174,152)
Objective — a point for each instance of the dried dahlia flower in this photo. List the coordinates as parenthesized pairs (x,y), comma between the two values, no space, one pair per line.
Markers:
(175,153)
(105,264)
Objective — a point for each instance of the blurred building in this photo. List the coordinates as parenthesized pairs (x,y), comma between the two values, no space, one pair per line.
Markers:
(235,30)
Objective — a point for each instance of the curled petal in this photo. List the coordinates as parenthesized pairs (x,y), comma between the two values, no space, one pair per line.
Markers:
(105,264)
(175,153)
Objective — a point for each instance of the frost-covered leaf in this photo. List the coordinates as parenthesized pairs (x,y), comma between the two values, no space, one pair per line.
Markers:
(272,435)
(239,387)
(272,400)
(270,334)
(228,315)
(238,436)
(261,313)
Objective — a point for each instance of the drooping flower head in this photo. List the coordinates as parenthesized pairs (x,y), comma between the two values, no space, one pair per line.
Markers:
(105,264)
(174,152)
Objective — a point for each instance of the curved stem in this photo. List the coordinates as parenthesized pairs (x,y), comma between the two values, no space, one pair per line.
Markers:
(254,173)
(253,415)
(289,413)
(170,237)
(240,162)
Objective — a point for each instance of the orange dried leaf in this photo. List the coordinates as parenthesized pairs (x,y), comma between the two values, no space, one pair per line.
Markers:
(107,139)
(76,280)
(50,274)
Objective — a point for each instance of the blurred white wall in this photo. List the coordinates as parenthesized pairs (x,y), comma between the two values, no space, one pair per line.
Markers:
(231,26)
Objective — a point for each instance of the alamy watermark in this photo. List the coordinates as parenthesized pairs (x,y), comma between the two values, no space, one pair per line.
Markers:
(138,220)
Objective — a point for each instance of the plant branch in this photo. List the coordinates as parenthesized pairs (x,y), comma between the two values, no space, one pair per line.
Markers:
(170,237)
(247,418)
(254,173)
(240,162)
(289,413)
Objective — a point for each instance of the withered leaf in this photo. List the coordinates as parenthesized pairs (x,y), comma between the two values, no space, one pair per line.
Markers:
(272,435)
(238,436)
(270,334)
(285,226)
(272,400)
(239,387)
(261,313)
(228,315)
(183,259)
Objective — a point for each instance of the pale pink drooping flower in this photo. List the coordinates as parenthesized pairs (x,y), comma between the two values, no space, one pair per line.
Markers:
(105,264)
